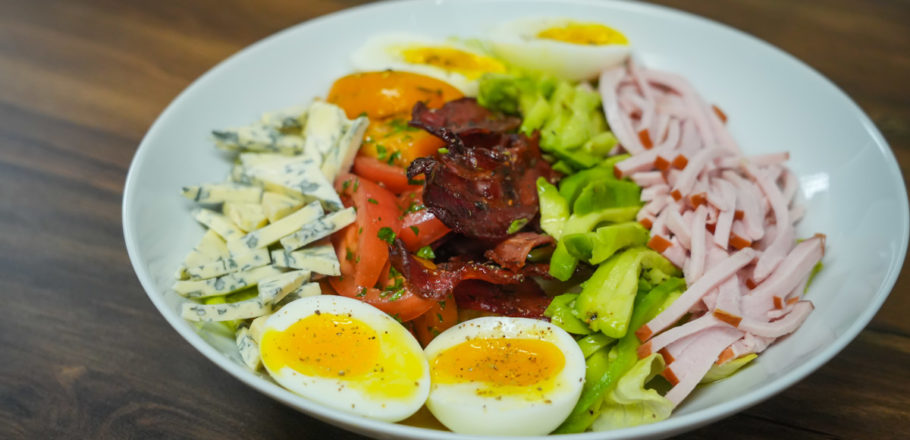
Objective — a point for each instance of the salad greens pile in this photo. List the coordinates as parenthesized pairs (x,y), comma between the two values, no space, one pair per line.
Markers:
(572,125)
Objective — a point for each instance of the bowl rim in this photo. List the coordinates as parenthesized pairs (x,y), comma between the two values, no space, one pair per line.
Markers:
(347,421)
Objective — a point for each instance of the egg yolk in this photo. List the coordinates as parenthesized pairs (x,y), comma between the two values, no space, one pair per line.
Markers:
(342,347)
(471,65)
(500,363)
(592,34)
(324,345)
(387,99)
(379,95)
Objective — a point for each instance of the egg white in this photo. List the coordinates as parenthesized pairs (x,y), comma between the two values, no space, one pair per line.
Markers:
(460,407)
(337,392)
(516,42)
(383,52)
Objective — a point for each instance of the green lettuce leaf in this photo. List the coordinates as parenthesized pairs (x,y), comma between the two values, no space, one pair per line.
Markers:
(630,403)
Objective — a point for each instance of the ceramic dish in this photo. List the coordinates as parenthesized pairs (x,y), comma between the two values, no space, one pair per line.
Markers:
(849,178)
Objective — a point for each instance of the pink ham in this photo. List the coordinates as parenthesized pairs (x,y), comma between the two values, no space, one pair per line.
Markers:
(674,334)
(703,199)
(687,370)
(648,178)
(786,325)
(708,281)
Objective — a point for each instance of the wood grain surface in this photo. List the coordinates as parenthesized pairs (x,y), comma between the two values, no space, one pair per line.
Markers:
(84,354)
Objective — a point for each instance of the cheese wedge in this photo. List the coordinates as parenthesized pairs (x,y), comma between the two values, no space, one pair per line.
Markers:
(317,259)
(247,216)
(257,137)
(222,192)
(251,308)
(218,223)
(339,159)
(267,235)
(319,229)
(276,206)
(225,265)
(276,287)
(224,284)
(248,349)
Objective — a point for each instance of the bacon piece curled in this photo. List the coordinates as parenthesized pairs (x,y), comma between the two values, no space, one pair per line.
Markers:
(486,179)
(512,252)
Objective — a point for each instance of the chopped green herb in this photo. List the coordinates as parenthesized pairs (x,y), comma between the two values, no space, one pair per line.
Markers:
(517,225)
(381,152)
(443,151)
(362,292)
(349,255)
(345,185)
(356,185)
(386,234)
(416,230)
(427,253)
(439,317)
(414,207)
(393,157)
(442,305)
(397,295)
(415,181)
(373,201)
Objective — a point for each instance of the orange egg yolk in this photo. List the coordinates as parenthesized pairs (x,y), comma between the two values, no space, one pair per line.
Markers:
(387,98)
(499,363)
(379,95)
(323,345)
(472,66)
(592,34)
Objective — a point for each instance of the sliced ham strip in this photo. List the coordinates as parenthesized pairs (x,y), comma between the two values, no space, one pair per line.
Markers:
(674,334)
(698,252)
(691,366)
(708,281)
(619,124)
(760,160)
(794,268)
(653,191)
(783,326)
(679,227)
(648,178)
(686,180)
(675,253)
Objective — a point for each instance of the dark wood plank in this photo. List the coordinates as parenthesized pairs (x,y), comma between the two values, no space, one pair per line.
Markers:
(86,355)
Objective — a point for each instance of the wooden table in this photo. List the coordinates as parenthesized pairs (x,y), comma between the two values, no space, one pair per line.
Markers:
(84,354)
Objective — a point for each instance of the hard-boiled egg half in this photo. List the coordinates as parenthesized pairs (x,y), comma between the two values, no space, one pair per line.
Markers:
(347,355)
(569,49)
(504,376)
(449,61)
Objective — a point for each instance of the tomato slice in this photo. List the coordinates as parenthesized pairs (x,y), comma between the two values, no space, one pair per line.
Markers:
(405,307)
(364,256)
(441,316)
(390,176)
(361,252)
(419,227)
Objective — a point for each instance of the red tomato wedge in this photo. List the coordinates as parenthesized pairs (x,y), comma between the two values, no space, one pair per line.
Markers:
(361,253)
(419,227)
(364,256)
(441,316)
(390,176)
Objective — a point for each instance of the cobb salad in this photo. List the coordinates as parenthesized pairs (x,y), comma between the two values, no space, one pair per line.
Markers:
(523,234)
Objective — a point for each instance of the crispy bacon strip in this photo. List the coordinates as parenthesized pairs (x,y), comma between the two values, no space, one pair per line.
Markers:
(512,252)
(486,179)
(526,299)
(439,281)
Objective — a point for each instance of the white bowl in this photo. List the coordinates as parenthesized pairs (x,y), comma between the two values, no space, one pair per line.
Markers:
(850,180)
